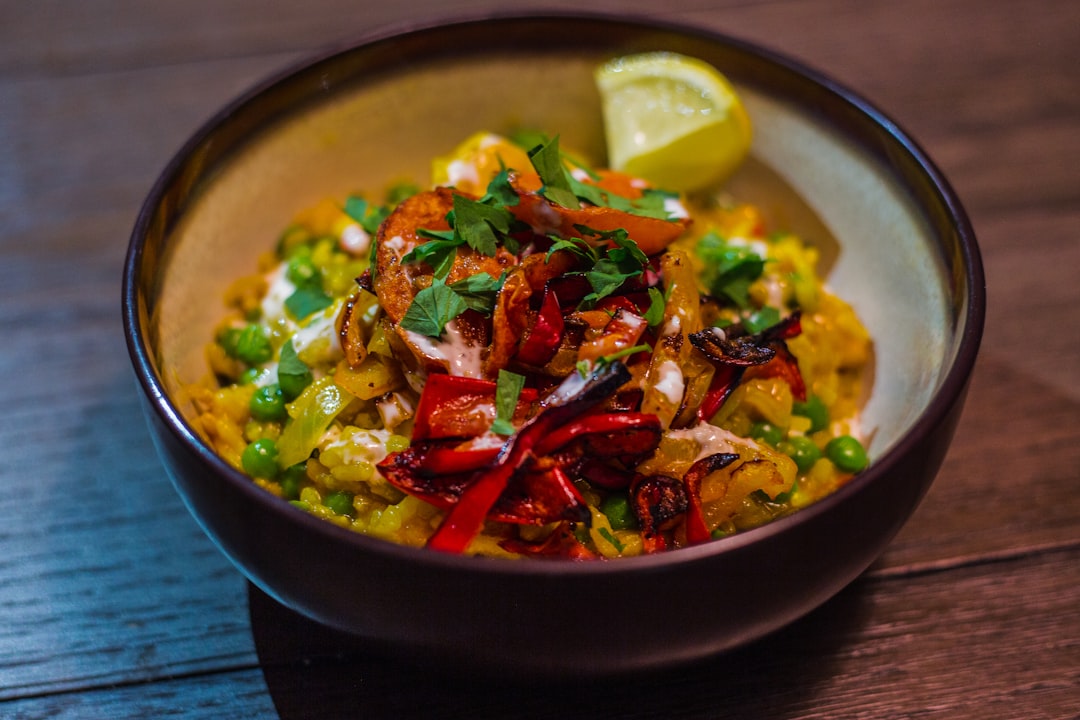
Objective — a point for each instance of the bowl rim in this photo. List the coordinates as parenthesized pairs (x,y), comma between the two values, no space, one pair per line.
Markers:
(970,315)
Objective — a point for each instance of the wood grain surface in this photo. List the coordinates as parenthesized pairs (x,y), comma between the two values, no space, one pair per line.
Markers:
(115,605)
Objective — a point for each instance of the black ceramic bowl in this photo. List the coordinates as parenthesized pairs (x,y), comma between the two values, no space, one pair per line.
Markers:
(825,163)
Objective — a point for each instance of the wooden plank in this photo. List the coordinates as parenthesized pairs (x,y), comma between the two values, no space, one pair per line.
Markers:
(116,605)
(118,35)
(236,694)
(877,650)
(1010,650)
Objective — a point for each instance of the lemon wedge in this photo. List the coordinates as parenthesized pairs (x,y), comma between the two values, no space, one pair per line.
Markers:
(672,120)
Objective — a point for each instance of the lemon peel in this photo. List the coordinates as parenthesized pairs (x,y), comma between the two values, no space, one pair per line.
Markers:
(672,120)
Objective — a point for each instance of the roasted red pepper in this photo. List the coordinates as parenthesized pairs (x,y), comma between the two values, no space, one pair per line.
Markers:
(545,335)
(460,407)
(738,356)
(466,518)
(658,502)
(696,530)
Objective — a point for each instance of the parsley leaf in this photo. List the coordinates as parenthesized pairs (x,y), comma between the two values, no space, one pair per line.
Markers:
(575,245)
(764,318)
(508,388)
(653,203)
(476,223)
(729,269)
(547,161)
(432,308)
(307,300)
(655,314)
(500,191)
(365,214)
(606,277)
(438,251)
(619,263)
(479,291)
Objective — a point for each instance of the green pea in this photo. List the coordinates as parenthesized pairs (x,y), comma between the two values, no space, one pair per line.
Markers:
(248,376)
(268,403)
(618,511)
(302,272)
(802,450)
(847,454)
(293,384)
(766,433)
(814,409)
(259,459)
(227,340)
(253,345)
(291,480)
(340,502)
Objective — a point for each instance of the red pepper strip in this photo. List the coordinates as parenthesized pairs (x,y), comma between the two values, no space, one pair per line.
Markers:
(403,471)
(452,406)
(559,544)
(696,530)
(450,460)
(786,329)
(657,500)
(605,424)
(546,334)
(531,498)
(466,519)
(604,475)
(783,365)
(539,498)
(724,382)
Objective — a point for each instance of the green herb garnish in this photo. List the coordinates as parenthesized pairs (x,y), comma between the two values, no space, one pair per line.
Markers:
(479,291)
(764,318)
(307,300)
(729,269)
(508,388)
(657,303)
(548,163)
(432,308)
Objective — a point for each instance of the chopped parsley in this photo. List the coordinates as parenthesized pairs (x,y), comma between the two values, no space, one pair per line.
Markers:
(480,225)
(508,388)
(432,308)
(479,291)
(365,214)
(761,319)
(548,163)
(729,269)
(657,303)
(307,300)
(620,262)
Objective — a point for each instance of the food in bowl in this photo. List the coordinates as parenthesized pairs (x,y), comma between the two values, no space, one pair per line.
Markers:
(532,357)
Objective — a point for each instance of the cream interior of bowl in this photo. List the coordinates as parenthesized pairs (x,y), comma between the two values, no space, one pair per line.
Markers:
(879,252)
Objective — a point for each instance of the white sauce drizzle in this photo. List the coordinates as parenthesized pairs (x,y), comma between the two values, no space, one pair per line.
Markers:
(355,240)
(566,390)
(671,383)
(461,358)
(712,440)
(318,341)
(279,289)
(673,326)
(675,209)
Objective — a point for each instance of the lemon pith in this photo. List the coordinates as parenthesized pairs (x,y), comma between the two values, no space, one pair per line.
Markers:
(673,120)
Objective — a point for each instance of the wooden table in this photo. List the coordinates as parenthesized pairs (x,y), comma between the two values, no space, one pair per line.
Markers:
(113,602)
